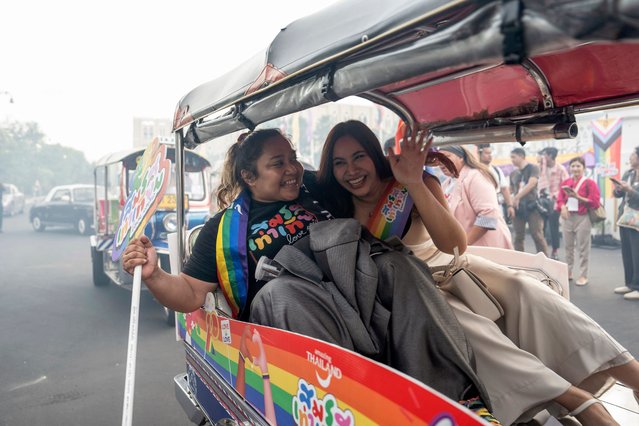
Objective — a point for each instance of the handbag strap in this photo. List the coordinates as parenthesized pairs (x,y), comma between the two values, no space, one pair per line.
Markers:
(582,180)
(442,272)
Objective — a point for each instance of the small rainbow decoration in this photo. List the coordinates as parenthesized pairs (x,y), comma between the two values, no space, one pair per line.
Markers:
(606,137)
(391,212)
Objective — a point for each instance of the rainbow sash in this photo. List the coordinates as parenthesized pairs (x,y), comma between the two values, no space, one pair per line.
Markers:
(231,254)
(391,212)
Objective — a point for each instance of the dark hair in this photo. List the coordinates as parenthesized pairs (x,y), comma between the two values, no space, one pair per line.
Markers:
(482,146)
(550,151)
(341,204)
(519,151)
(578,160)
(242,156)
(637,150)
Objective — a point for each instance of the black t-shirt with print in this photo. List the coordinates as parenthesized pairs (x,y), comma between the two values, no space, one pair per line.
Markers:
(271,226)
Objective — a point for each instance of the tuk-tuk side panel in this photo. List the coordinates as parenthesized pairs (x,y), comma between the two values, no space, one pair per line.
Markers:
(223,358)
(313,379)
(214,396)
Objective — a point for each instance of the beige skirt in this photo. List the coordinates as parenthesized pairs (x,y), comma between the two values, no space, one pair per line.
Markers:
(542,345)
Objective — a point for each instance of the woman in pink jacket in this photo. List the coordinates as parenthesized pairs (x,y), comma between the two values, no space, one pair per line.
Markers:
(473,201)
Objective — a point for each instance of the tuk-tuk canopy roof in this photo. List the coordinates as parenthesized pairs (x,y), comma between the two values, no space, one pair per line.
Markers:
(129,158)
(434,62)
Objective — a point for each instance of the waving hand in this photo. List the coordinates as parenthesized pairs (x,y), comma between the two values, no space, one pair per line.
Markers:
(408,165)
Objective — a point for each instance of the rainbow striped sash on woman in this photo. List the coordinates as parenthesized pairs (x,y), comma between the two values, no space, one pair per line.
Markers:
(231,254)
(391,212)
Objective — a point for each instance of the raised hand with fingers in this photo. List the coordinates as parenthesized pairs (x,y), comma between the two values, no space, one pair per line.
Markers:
(408,165)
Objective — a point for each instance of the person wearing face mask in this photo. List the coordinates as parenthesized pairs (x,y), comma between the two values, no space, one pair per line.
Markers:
(472,199)
(504,198)
(577,194)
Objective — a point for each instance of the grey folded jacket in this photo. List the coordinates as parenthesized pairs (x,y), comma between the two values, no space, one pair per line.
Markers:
(344,286)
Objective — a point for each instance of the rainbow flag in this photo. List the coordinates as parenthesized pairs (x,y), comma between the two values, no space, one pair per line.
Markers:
(606,137)
(231,255)
(391,212)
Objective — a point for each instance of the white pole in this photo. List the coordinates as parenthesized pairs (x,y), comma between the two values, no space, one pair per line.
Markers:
(129,385)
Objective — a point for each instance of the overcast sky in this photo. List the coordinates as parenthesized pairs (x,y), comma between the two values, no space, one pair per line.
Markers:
(84,69)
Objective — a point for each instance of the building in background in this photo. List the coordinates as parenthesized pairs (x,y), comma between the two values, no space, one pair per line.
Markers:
(145,129)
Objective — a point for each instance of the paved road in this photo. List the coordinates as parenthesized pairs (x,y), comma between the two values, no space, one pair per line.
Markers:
(617,316)
(63,341)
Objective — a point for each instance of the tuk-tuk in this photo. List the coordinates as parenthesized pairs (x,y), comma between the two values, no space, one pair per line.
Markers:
(469,72)
(112,176)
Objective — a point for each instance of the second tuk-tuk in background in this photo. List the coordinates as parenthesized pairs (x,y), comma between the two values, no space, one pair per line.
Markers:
(112,179)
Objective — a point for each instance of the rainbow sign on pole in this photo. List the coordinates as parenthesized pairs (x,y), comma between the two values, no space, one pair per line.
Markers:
(152,176)
(606,137)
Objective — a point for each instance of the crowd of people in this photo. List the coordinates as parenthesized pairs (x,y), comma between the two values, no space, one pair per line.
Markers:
(552,202)
(510,367)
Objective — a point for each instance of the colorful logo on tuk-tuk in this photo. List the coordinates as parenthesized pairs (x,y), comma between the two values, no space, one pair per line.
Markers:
(311,410)
(150,180)
(324,363)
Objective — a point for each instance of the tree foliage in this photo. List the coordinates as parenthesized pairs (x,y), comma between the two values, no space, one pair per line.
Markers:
(25,157)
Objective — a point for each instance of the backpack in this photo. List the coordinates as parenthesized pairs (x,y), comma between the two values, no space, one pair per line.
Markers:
(384,297)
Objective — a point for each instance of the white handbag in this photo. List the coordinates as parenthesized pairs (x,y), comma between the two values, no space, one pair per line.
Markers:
(467,287)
